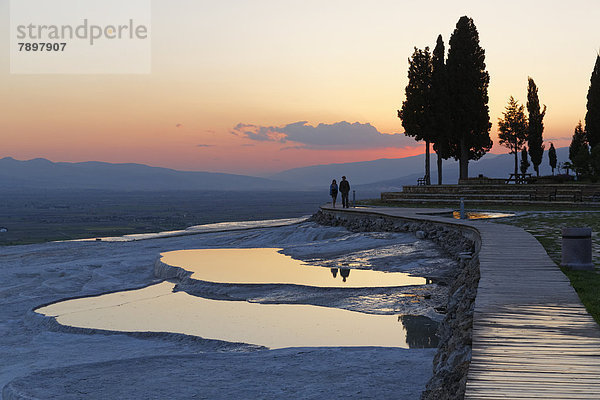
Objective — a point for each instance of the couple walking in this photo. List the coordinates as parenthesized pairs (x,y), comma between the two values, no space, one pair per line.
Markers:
(344,189)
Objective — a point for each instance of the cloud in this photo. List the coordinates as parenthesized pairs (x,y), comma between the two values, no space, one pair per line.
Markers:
(205,145)
(178,125)
(259,133)
(340,135)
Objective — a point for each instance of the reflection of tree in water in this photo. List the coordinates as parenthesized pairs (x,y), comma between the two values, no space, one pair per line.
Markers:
(344,273)
(420,331)
(334,272)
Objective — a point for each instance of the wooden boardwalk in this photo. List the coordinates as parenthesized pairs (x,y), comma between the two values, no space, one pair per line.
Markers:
(532,337)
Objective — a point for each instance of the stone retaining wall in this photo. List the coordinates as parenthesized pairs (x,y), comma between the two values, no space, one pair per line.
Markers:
(451,363)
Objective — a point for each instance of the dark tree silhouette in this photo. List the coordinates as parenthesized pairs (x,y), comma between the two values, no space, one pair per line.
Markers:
(513,129)
(468,83)
(579,153)
(420,331)
(592,117)
(595,162)
(416,113)
(552,157)
(535,140)
(524,161)
(578,141)
(439,105)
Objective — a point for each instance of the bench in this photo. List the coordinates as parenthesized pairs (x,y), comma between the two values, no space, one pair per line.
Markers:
(518,178)
(543,194)
(423,181)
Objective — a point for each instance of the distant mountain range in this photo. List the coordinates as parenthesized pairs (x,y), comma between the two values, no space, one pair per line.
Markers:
(392,174)
(44,174)
(367,177)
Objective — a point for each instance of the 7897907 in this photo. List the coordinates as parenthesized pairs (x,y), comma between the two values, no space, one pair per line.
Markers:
(26,46)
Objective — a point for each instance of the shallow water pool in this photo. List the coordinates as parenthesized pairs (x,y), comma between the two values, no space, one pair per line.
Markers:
(315,306)
(158,309)
(270,266)
(481,214)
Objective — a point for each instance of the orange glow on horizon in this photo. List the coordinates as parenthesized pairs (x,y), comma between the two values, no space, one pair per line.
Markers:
(263,65)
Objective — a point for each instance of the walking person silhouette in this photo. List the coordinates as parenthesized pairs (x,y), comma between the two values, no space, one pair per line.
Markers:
(344,189)
(333,192)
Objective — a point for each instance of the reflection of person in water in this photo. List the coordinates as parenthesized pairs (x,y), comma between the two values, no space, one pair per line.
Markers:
(334,272)
(344,273)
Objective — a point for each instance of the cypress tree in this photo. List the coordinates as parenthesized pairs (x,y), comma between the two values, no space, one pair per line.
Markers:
(513,129)
(592,117)
(524,161)
(440,104)
(552,157)
(416,113)
(535,141)
(468,83)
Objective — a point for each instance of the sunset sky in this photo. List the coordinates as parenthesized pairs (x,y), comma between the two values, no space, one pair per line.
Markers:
(259,86)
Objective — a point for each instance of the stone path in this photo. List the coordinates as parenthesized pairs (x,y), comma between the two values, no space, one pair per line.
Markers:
(532,337)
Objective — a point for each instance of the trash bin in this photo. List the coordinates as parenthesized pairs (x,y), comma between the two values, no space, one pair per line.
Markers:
(577,248)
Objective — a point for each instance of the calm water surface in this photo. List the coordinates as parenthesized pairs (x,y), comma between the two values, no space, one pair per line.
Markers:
(158,308)
(269,266)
